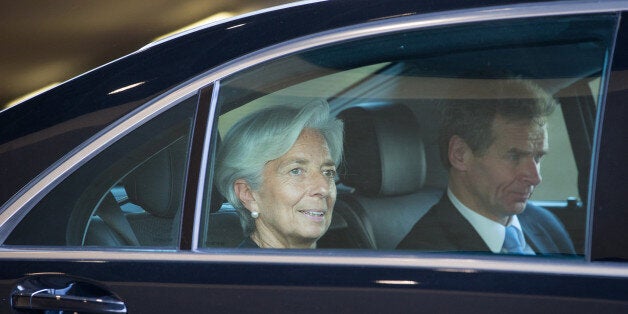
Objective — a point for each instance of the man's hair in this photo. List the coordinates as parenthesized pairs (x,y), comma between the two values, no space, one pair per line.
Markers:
(472,119)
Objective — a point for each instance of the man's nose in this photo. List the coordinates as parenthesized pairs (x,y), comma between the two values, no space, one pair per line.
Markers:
(532,172)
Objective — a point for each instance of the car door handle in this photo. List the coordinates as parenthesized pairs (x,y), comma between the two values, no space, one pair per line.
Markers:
(57,292)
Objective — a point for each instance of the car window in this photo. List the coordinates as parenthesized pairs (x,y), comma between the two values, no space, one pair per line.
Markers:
(130,194)
(391,90)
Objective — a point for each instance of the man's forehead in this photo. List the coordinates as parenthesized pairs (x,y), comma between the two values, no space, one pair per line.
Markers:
(520,133)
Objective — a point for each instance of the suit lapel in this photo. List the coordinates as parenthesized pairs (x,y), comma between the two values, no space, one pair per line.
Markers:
(460,230)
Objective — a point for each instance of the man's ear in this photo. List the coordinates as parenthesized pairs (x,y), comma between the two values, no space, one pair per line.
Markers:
(245,194)
(459,153)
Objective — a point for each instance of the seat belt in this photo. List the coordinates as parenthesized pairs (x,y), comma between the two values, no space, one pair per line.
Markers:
(111,213)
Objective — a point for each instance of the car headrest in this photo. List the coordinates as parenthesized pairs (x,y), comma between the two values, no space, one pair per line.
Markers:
(157,184)
(383,150)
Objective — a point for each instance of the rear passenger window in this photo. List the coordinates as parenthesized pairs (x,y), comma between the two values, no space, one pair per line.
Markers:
(392,92)
(129,195)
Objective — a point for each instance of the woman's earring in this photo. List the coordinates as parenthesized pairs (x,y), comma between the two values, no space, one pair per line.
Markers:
(254,214)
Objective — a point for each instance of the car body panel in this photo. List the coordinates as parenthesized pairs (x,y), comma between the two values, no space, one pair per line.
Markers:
(309,283)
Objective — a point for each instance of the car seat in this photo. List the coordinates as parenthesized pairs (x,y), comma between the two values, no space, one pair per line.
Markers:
(385,168)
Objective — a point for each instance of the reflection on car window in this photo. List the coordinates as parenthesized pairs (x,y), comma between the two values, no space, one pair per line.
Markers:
(391,92)
(128,195)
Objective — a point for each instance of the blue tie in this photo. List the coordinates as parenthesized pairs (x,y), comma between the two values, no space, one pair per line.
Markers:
(511,242)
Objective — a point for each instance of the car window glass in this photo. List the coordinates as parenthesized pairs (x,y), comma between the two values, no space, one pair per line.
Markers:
(390,91)
(129,195)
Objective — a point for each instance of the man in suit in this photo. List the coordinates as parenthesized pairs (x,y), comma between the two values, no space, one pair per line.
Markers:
(492,146)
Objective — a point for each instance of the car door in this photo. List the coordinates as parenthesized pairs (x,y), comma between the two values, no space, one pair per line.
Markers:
(132,223)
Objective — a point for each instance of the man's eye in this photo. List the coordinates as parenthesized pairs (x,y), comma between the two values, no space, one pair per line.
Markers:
(296,171)
(514,157)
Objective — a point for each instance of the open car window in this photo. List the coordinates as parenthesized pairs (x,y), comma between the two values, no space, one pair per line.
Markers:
(390,91)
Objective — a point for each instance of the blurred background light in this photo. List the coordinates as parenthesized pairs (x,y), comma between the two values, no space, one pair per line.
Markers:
(44,42)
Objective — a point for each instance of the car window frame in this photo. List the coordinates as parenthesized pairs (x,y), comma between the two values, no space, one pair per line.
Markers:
(566,202)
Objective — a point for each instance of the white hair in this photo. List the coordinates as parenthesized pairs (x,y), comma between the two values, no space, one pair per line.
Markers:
(266,135)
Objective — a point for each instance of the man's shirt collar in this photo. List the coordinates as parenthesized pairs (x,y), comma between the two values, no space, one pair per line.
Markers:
(492,232)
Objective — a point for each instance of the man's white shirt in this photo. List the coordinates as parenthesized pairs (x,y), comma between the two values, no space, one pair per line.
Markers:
(492,232)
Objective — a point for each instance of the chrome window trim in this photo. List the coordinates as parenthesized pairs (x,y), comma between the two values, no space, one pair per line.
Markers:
(378,27)
(440,262)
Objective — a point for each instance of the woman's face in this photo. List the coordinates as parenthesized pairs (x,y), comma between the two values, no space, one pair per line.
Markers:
(297,195)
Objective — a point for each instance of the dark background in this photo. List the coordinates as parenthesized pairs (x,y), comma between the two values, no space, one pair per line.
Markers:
(48,42)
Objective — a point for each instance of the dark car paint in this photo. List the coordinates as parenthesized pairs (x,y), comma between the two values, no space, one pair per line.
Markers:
(194,287)
(218,287)
(611,183)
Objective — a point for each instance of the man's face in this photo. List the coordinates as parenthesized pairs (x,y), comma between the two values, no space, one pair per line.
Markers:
(501,180)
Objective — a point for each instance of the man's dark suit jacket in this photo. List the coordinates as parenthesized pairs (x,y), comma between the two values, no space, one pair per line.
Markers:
(443,228)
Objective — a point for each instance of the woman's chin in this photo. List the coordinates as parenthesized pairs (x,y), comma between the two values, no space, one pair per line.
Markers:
(311,234)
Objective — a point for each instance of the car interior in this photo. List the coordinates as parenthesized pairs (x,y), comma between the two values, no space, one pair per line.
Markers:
(143,213)
(392,172)
(128,195)
(385,164)
(388,90)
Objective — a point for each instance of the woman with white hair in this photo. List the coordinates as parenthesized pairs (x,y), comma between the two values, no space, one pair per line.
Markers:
(277,168)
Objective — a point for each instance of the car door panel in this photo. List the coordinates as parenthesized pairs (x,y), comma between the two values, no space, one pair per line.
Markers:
(192,287)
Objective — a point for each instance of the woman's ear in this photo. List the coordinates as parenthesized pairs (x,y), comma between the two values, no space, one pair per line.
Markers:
(459,153)
(245,195)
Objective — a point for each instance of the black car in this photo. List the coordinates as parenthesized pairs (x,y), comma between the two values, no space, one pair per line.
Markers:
(107,196)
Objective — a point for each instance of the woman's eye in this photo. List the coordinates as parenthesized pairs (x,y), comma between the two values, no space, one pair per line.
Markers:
(330,173)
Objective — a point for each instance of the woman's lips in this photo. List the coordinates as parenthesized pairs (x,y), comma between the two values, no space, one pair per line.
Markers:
(314,214)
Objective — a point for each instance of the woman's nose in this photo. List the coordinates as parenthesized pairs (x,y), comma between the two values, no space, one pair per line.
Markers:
(320,185)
